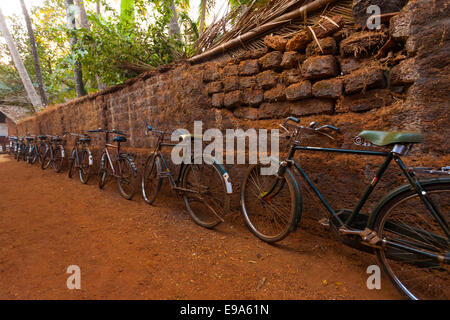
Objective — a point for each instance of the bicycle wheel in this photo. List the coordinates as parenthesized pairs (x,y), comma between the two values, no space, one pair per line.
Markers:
(72,162)
(35,153)
(405,220)
(207,202)
(41,152)
(270,216)
(59,158)
(151,180)
(21,153)
(47,158)
(103,171)
(85,166)
(31,158)
(127,177)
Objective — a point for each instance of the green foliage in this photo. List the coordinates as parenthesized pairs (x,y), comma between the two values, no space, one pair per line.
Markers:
(117,46)
(116,49)
(127,11)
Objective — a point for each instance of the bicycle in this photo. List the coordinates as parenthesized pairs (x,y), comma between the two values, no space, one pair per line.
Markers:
(123,167)
(25,144)
(408,229)
(205,187)
(12,145)
(54,154)
(81,158)
(37,149)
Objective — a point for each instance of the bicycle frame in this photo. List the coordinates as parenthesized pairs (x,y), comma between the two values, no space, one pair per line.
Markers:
(174,183)
(389,156)
(111,163)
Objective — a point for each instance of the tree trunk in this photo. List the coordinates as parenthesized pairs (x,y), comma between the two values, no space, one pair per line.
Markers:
(37,64)
(32,95)
(84,22)
(202,17)
(100,84)
(78,74)
(174,28)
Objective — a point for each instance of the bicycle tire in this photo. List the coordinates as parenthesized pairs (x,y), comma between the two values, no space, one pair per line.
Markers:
(210,207)
(85,166)
(71,163)
(58,159)
(103,171)
(260,218)
(127,177)
(151,184)
(46,160)
(428,278)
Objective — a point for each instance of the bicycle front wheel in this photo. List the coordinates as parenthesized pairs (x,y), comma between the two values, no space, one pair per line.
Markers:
(271,205)
(206,196)
(47,158)
(86,163)
(151,180)
(72,162)
(59,158)
(127,177)
(405,221)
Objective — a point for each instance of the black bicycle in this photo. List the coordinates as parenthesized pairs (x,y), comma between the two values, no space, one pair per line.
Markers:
(37,149)
(12,145)
(54,153)
(81,157)
(121,166)
(24,147)
(204,185)
(408,230)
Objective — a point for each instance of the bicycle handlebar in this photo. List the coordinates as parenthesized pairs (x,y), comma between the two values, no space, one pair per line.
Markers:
(313,126)
(149,128)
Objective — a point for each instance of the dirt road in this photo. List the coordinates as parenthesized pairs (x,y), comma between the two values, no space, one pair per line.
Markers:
(129,250)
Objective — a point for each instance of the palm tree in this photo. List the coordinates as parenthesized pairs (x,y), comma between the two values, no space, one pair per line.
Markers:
(202,16)
(37,65)
(78,74)
(32,95)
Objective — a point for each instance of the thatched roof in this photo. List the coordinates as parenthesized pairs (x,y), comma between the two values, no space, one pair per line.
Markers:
(13,113)
(277,17)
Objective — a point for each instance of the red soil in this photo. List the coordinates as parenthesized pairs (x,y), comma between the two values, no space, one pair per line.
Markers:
(129,250)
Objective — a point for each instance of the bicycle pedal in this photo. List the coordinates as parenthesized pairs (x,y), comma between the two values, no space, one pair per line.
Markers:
(370,237)
(324,222)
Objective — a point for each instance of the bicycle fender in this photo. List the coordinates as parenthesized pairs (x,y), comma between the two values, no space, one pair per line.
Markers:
(225,175)
(396,192)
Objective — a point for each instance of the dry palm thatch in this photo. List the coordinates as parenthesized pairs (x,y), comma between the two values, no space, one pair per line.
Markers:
(256,18)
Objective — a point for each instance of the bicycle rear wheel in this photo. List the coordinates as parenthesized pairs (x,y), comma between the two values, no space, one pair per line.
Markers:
(127,177)
(405,220)
(151,180)
(72,163)
(59,159)
(47,158)
(271,206)
(207,202)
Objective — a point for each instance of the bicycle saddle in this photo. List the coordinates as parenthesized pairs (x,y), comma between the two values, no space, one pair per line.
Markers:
(86,139)
(120,139)
(29,138)
(42,137)
(384,138)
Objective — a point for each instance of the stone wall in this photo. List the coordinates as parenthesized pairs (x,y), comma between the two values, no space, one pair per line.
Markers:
(395,78)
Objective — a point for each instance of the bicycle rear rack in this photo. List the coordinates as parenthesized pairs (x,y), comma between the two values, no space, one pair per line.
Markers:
(441,171)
